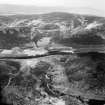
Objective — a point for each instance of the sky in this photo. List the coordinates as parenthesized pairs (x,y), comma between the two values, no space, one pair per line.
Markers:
(95,4)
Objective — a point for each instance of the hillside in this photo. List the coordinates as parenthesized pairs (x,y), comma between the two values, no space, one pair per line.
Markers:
(57,27)
(56,58)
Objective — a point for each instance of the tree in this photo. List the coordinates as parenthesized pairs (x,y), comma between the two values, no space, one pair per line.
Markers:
(36,35)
